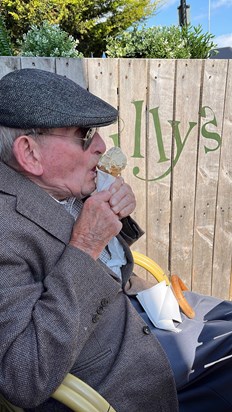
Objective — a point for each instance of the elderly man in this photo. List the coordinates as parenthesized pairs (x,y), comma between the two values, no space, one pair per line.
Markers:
(63,309)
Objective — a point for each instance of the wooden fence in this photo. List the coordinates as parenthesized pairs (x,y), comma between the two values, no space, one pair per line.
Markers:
(175,126)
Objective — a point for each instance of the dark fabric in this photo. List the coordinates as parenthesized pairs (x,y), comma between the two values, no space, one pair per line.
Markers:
(211,392)
(34,98)
(201,354)
(130,231)
(61,311)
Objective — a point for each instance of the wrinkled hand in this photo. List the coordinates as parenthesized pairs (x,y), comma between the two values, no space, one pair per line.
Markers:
(97,223)
(122,199)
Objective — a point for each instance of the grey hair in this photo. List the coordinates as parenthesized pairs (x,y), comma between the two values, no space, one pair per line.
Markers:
(7,137)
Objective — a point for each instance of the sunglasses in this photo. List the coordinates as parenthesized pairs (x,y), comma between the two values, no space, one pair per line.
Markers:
(88,135)
(86,138)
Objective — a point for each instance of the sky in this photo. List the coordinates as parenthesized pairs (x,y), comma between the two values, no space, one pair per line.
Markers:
(215,16)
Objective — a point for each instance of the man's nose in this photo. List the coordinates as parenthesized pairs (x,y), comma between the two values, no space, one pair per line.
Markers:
(97,144)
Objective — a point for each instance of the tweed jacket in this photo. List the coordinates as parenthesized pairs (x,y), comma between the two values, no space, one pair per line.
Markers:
(61,311)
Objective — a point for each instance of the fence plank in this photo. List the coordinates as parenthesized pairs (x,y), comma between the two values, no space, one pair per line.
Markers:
(132,103)
(188,85)
(160,108)
(8,64)
(74,69)
(222,274)
(43,63)
(207,174)
(103,82)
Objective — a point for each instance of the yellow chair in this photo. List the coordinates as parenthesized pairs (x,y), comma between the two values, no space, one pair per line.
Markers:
(74,393)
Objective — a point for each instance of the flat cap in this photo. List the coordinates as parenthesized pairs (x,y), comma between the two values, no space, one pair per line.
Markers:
(33,98)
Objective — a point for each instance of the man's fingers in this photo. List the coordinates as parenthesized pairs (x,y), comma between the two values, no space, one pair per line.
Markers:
(103,195)
(123,201)
(126,201)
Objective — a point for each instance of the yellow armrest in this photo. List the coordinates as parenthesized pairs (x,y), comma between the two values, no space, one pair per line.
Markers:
(73,400)
(85,391)
(151,266)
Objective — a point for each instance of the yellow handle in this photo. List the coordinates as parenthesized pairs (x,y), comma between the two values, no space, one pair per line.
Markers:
(150,265)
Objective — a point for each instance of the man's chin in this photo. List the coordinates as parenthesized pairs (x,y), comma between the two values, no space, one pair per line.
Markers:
(87,191)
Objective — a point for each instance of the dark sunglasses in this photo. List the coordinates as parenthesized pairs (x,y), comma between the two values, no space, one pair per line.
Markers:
(88,134)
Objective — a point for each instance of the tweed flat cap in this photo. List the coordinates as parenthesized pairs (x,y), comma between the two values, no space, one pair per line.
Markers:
(33,98)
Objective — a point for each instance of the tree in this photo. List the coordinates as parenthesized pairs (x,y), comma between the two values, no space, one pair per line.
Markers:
(89,21)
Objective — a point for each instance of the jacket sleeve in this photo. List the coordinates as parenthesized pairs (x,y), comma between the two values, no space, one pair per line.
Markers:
(45,323)
(131,231)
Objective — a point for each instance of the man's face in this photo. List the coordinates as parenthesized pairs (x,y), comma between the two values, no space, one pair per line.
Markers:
(68,170)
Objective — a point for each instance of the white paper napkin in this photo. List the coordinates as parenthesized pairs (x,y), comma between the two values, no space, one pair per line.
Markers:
(161,306)
(104,180)
(118,258)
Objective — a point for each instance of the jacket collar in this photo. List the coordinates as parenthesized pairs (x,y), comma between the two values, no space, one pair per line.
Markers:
(36,204)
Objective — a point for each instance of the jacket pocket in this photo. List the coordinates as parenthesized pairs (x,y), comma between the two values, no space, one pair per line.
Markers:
(91,361)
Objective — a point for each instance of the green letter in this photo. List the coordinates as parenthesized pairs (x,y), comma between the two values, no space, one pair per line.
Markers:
(115,139)
(179,143)
(156,121)
(206,133)
(138,107)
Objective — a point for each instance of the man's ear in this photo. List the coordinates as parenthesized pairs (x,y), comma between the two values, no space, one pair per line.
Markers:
(26,152)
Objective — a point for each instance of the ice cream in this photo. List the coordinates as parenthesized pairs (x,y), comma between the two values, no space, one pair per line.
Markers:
(113,161)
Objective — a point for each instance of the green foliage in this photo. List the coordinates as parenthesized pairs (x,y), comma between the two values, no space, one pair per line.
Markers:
(200,45)
(89,21)
(48,40)
(5,47)
(171,42)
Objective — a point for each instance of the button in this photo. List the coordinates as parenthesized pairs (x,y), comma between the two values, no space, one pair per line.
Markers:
(104,302)
(100,310)
(95,318)
(146,330)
